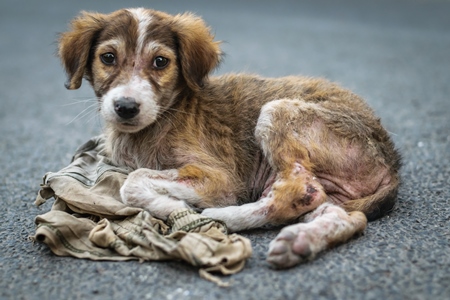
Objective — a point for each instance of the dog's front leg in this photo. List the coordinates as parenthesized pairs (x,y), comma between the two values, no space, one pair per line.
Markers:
(159,192)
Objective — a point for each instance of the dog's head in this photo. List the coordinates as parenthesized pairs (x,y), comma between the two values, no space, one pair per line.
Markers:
(138,61)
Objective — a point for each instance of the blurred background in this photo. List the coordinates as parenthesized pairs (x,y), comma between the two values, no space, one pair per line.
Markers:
(396,54)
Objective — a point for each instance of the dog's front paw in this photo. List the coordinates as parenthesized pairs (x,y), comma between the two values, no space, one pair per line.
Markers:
(146,189)
(138,191)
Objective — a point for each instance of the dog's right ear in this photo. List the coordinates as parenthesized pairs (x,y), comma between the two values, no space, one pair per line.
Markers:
(75,46)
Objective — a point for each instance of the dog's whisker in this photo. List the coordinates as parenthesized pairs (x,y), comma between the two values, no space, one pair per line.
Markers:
(84,113)
(93,117)
(91,100)
(89,114)
(392,133)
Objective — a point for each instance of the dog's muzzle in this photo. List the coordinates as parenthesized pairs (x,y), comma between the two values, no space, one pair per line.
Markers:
(126,108)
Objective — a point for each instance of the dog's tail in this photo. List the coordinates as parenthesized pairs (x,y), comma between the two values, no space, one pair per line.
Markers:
(378,204)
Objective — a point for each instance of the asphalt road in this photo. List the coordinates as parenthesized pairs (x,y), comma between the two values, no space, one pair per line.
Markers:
(396,54)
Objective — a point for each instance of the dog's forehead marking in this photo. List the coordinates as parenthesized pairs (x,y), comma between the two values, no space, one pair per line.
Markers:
(143,18)
(113,43)
(153,46)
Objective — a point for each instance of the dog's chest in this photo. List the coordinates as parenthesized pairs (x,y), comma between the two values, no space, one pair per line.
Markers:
(139,152)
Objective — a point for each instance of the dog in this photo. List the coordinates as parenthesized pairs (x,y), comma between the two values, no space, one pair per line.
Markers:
(249,151)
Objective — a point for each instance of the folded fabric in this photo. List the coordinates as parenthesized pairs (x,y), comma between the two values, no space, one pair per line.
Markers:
(89,220)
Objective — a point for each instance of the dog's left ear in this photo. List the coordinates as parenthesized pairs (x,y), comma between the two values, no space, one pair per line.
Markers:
(75,46)
(199,53)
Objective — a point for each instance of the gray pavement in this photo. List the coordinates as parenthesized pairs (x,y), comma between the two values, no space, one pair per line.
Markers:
(396,54)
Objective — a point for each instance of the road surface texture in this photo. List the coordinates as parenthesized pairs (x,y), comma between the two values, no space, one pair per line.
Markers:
(396,54)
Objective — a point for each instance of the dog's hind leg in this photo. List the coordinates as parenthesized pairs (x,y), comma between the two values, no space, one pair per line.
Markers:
(295,190)
(349,154)
(285,130)
(328,225)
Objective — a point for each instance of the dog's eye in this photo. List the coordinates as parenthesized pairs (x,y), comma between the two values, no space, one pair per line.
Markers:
(108,58)
(160,62)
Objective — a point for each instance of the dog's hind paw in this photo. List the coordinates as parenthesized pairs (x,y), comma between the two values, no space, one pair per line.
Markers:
(292,246)
(326,226)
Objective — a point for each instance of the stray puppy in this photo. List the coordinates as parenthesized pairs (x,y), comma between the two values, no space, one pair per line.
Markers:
(246,150)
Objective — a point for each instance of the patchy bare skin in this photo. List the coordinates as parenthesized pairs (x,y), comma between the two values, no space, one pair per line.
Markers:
(247,150)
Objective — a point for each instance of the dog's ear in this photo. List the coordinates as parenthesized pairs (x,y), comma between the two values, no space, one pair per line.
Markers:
(199,53)
(75,46)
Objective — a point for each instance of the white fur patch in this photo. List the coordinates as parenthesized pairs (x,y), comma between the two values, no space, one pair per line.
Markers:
(114,43)
(142,91)
(157,191)
(152,47)
(264,128)
(144,19)
(237,218)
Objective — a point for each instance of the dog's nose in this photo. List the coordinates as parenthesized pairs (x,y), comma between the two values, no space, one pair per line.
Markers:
(126,107)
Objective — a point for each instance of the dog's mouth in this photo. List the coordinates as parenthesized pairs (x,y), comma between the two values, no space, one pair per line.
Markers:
(128,126)
(128,123)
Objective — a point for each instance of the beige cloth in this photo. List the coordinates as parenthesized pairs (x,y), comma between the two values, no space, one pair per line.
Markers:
(88,220)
